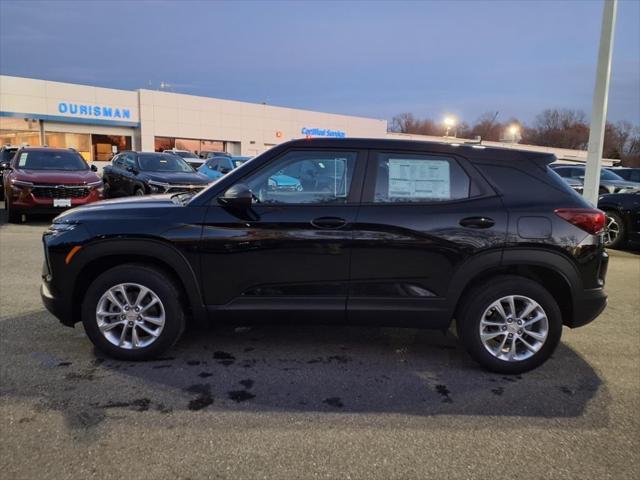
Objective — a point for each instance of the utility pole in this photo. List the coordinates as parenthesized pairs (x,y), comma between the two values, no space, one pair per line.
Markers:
(600,100)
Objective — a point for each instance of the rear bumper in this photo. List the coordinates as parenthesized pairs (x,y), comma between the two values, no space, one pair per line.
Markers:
(587,307)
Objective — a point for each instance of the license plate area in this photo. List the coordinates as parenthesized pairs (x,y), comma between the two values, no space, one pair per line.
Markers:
(61,202)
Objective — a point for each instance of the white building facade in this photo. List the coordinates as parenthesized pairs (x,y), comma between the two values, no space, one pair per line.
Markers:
(101,121)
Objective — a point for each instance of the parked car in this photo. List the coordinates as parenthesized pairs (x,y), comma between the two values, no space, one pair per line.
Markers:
(141,173)
(575,184)
(409,234)
(48,180)
(6,154)
(609,181)
(629,174)
(189,157)
(211,154)
(623,218)
(216,167)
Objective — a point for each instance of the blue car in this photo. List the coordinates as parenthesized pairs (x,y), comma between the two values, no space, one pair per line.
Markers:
(217,167)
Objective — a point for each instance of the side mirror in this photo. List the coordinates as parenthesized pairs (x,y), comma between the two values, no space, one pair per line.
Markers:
(238,196)
(93,168)
(224,170)
(5,166)
(132,170)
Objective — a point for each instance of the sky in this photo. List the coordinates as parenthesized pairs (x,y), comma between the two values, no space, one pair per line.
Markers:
(373,59)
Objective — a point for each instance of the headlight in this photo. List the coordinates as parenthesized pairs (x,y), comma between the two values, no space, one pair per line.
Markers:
(58,228)
(157,187)
(21,184)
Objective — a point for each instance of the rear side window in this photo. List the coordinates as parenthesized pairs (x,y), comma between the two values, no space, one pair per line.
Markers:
(402,177)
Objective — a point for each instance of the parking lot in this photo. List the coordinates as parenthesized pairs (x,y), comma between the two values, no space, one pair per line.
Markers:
(310,401)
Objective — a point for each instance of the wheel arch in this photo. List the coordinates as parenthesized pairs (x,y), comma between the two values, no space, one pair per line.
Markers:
(551,270)
(97,257)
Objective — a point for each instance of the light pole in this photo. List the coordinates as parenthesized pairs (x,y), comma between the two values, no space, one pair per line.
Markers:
(449,123)
(600,99)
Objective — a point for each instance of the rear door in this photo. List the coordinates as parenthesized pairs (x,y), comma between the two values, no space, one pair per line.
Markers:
(421,219)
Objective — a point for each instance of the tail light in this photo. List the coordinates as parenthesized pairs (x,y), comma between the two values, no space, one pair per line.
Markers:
(590,220)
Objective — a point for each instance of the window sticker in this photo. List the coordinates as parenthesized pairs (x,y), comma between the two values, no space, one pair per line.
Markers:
(419,178)
(22,161)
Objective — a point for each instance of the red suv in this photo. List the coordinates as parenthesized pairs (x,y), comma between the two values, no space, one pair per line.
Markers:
(48,180)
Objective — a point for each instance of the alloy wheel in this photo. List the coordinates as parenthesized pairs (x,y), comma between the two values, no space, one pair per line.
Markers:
(514,328)
(612,232)
(130,316)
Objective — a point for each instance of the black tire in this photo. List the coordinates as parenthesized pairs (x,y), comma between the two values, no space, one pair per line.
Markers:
(603,191)
(620,238)
(138,192)
(156,280)
(106,189)
(481,297)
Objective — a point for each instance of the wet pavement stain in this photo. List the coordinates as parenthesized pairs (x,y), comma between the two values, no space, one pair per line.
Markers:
(497,391)
(567,391)
(139,404)
(333,358)
(204,398)
(162,366)
(248,383)
(445,393)
(205,374)
(240,395)
(63,364)
(223,356)
(193,363)
(249,349)
(334,402)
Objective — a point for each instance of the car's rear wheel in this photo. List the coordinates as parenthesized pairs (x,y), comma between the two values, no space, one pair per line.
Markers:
(133,312)
(510,324)
(614,233)
(138,192)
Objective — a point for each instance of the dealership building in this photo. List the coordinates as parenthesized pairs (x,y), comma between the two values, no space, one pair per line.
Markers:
(100,121)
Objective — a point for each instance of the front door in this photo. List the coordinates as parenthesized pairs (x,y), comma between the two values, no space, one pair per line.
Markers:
(290,251)
(422,217)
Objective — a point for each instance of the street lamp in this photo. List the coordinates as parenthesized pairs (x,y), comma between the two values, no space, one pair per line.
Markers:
(449,122)
(514,130)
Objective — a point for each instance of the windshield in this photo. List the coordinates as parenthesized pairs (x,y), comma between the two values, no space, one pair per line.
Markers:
(51,160)
(185,154)
(7,154)
(161,162)
(609,175)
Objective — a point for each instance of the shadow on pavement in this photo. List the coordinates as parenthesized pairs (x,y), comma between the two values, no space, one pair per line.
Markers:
(283,369)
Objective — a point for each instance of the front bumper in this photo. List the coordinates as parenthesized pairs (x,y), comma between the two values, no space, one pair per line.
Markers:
(56,306)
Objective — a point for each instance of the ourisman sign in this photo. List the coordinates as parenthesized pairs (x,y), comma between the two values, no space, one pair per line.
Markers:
(94,111)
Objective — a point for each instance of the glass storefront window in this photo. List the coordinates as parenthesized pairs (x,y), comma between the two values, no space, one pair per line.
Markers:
(193,145)
(81,142)
(106,146)
(19,131)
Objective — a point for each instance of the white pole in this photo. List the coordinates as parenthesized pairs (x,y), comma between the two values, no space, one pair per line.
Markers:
(600,99)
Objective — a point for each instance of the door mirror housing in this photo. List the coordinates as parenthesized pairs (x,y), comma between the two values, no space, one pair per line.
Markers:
(238,196)
(224,170)
(93,168)
(5,166)
(132,170)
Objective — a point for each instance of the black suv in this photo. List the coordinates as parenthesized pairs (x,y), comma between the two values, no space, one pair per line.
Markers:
(396,233)
(140,173)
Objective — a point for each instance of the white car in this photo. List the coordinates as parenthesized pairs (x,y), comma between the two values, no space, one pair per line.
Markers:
(190,157)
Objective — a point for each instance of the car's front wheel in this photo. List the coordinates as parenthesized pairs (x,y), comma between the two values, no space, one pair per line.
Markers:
(133,312)
(510,324)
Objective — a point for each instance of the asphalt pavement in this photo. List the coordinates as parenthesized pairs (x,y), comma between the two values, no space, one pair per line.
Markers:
(307,402)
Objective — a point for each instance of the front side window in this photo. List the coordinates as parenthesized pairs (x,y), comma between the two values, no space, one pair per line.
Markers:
(305,177)
(402,177)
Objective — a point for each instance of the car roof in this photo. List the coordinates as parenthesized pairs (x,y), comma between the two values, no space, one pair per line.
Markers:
(47,149)
(471,151)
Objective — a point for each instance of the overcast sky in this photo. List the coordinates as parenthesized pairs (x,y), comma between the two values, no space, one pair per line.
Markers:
(362,58)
